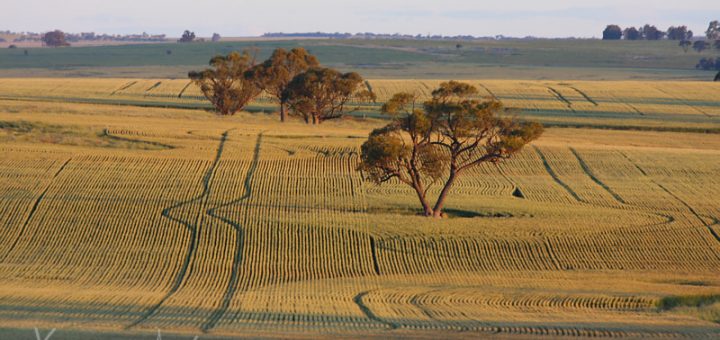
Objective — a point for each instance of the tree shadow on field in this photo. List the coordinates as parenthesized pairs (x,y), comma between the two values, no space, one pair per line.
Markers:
(448,213)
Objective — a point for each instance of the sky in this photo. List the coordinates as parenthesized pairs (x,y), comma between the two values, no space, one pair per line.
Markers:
(242,18)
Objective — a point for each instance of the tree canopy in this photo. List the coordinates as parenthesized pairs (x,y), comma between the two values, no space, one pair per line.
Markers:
(685,44)
(679,33)
(713,31)
(55,38)
(700,45)
(632,33)
(650,32)
(441,139)
(227,84)
(320,94)
(612,32)
(187,37)
(274,74)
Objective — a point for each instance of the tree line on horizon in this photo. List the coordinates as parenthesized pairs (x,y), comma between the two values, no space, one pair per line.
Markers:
(651,32)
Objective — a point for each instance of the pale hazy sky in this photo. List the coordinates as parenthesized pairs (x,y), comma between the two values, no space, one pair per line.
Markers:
(543,18)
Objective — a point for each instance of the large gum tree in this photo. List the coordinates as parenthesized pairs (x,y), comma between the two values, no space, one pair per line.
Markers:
(439,140)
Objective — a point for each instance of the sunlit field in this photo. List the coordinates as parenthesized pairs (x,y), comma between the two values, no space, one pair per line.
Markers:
(127,207)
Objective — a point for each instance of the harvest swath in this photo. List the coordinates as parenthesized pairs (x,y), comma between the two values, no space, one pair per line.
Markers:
(128,219)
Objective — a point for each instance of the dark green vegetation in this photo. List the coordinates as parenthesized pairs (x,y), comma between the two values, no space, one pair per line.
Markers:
(506,59)
(705,306)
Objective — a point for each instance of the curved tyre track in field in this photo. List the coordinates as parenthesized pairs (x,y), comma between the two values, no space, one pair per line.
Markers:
(192,227)
(240,239)
(461,301)
(594,178)
(32,211)
(358,299)
(683,202)
(555,177)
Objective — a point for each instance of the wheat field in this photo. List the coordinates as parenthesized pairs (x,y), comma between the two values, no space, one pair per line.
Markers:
(129,219)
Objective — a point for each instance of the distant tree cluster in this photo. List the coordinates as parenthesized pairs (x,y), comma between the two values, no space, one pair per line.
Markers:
(646,32)
(709,64)
(88,36)
(187,37)
(295,78)
(370,36)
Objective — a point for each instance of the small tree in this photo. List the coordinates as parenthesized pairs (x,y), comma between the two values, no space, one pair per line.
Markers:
(55,38)
(678,33)
(227,84)
(717,77)
(440,140)
(685,44)
(612,32)
(700,45)
(650,32)
(631,33)
(321,94)
(708,64)
(215,37)
(713,31)
(187,37)
(274,75)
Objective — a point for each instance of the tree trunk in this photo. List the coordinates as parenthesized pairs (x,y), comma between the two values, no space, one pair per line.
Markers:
(282,112)
(314,119)
(437,211)
(423,200)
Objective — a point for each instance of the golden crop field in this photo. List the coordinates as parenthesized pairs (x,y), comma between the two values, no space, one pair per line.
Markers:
(127,219)
(632,105)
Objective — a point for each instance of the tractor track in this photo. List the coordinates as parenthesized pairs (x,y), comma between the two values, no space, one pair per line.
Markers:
(192,228)
(33,210)
(358,299)
(683,202)
(231,289)
(555,177)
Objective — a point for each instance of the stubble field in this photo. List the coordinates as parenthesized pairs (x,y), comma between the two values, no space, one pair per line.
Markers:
(123,217)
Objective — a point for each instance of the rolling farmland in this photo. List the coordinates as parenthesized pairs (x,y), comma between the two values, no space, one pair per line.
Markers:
(127,208)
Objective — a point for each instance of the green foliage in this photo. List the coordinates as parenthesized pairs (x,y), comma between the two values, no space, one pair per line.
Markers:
(187,37)
(453,131)
(713,30)
(612,32)
(55,38)
(685,44)
(671,302)
(706,307)
(631,33)
(228,84)
(274,75)
(322,93)
(700,45)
